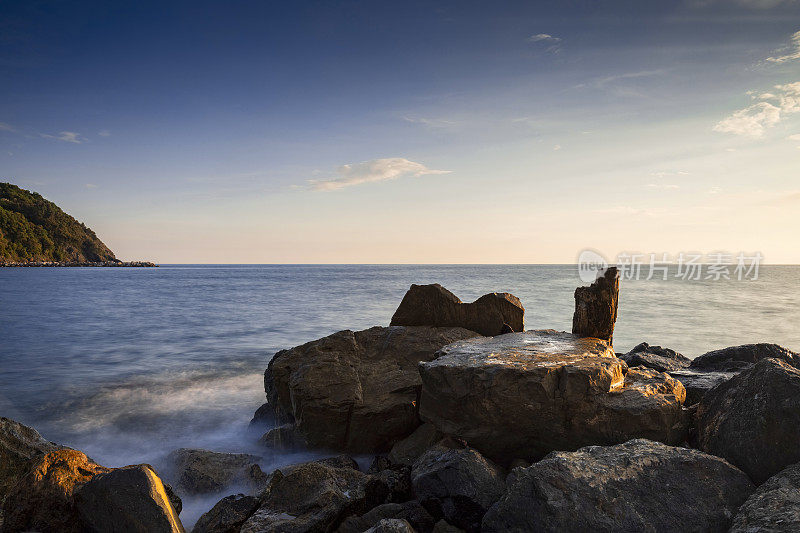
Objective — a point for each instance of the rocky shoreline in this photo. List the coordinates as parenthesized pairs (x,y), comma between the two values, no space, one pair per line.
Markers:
(55,264)
(462,421)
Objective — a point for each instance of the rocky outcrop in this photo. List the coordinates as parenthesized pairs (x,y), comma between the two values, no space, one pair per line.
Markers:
(655,357)
(201,471)
(636,486)
(596,307)
(391,525)
(20,447)
(753,419)
(410,511)
(408,450)
(737,358)
(227,515)
(433,305)
(775,506)
(131,499)
(355,391)
(523,395)
(396,478)
(698,382)
(458,485)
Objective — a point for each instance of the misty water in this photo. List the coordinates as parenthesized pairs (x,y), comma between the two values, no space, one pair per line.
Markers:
(129,364)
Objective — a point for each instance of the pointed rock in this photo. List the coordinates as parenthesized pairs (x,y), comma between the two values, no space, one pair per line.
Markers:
(596,307)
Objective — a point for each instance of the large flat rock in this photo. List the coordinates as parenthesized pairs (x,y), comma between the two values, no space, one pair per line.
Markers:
(522,395)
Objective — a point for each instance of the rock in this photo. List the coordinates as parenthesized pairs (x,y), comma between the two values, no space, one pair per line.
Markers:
(173,497)
(202,472)
(775,506)
(356,391)
(228,515)
(433,305)
(130,499)
(636,486)
(282,438)
(339,461)
(458,485)
(263,418)
(737,358)
(753,419)
(42,499)
(443,527)
(655,357)
(697,382)
(522,395)
(391,525)
(313,497)
(596,307)
(410,511)
(409,449)
(20,447)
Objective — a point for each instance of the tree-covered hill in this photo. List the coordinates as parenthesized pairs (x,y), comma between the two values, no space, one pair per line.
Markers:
(35,229)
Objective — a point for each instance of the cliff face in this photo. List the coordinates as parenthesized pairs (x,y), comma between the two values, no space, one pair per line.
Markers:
(35,229)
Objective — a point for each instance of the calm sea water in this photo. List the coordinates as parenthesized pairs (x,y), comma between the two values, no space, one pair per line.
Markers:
(128,364)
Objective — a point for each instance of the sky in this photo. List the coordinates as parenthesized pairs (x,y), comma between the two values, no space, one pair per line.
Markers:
(409,132)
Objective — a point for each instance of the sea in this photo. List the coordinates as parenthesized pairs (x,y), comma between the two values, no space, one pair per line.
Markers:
(128,364)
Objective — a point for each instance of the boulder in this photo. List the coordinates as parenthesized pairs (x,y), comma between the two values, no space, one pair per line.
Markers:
(131,499)
(433,305)
(522,395)
(391,525)
(775,506)
(596,307)
(442,526)
(458,485)
(636,486)
(698,382)
(410,511)
(313,497)
(283,438)
(753,419)
(228,515)
(655,357)
(356,391)
(42,499)
(409,449)
(20,447)
(201,471)
(263,418)
(737,358)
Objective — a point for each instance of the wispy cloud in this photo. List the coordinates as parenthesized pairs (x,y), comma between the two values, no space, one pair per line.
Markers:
(6,127)
(772,107)
(373,171)
(614,83)
(65,136)
(91,186)
(556,147)
(546,38)
(104,133)
(790,52)
(430,122)
(663,186)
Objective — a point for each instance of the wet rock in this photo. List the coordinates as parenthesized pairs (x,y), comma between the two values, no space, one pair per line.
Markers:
(523,395)
(409,449)
(775,506)
(356,391)
(339,461)
(737,358)
(698,382)
(443,527)
(173,497)
(42,499)
(753,419)
(655,357)
(283,438)
(20,447)
(458,485)
(228,515)
(636,486)
(410,511)
(391,525)
(201,471)
(131,499)
(263,418)
(433,305)
(596,307)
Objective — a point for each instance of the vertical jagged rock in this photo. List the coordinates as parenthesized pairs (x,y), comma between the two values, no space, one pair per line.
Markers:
(596,307)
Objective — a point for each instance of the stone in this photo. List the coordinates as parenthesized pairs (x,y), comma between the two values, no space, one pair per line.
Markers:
(410,511)
(391,525)
(655,357)
(263,418)
(282,438)
(227,515)
(458,485)
(42,499)
(522,395)
(131,499)
(774,506)
(596,307)
(356,391)
(433,305)
(443,527)
(409,449)
(20,447)
(636,486)
(737,358)
(753,419)
(196,471)
(313,497)
(698,382)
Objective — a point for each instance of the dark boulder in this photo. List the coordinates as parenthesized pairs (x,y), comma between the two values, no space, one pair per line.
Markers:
(736,358)
(774,507)
(410,511)
(195,471)
(698,382)
(408,450)
(20,447)
(655,357)
(753,419)
(284,438)
(228,515)
(596,307)
(636,486)
(391,525)
(433,305)
(263,418)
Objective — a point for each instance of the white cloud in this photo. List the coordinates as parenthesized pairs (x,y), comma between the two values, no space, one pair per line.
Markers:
(372,171)
(557,147)
(795,137)
(790,52)
(104,133)
(544,37)
(6,127)
(91,186)
(754,120)
(663,186)
(65,136)
(430,122)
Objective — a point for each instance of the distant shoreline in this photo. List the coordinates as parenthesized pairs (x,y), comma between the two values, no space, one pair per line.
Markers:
(54,264)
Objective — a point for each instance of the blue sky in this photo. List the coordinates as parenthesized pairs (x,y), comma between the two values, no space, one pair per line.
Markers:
(484,132)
